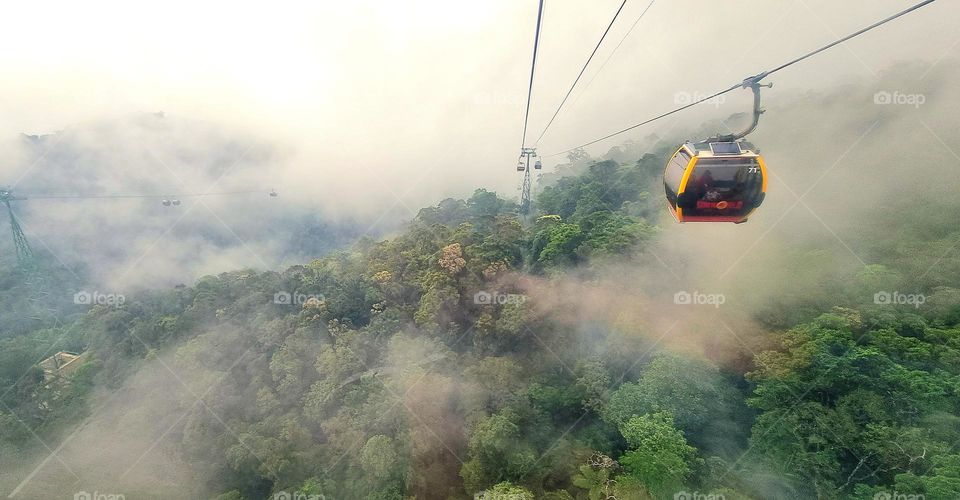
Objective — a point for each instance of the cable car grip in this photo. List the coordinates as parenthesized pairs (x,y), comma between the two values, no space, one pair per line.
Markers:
(752,83)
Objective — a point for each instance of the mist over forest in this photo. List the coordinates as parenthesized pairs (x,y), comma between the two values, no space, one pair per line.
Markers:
(390,325)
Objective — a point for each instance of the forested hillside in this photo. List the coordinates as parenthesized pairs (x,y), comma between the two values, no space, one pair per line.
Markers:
(80,200)
(458,358)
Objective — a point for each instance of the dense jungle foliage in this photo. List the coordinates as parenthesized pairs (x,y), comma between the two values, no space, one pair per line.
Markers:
(383,371)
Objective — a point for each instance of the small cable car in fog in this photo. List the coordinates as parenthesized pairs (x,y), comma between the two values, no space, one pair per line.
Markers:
(524,161)
(721,179)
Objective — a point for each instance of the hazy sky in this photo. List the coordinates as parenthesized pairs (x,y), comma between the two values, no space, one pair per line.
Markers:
(362,108)
(406,95)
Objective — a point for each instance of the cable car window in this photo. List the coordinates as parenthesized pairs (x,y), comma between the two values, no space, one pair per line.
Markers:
(724,187)
(674,171)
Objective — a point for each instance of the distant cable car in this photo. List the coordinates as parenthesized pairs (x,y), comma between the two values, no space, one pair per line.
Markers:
(520,166)
(715,182)
(176,203)
(273,194)
(538,165)
(165,203)
(721,179)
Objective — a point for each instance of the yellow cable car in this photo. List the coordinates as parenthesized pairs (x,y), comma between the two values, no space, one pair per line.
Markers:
(715,182)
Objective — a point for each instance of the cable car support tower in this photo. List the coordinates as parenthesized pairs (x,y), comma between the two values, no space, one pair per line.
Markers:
(25,255)
(526,191)
(24,252)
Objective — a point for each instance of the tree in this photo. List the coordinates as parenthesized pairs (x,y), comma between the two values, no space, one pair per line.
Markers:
(705,405)
(597,477)
(505,491)
(498,451)
(865,393)
(659,456)
(561,242)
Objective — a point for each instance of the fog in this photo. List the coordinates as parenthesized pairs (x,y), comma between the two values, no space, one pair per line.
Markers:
(625,311)
(363,112)
(358,114)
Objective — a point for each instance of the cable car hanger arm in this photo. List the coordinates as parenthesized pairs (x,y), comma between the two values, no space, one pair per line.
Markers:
(753,83)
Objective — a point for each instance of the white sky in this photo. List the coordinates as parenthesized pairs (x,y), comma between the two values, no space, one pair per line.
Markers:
(425,97)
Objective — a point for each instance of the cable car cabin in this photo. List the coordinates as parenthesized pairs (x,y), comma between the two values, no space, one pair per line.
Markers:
(715,182)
